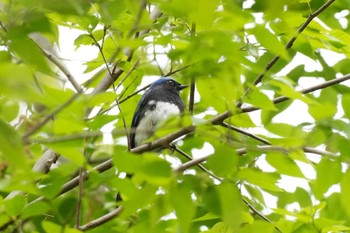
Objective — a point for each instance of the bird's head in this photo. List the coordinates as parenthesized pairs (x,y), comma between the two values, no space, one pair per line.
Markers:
(168,84)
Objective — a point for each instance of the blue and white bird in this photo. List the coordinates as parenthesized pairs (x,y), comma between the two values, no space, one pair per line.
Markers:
(159,102)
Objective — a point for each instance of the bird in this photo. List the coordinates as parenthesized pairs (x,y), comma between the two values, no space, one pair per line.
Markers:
(161,101)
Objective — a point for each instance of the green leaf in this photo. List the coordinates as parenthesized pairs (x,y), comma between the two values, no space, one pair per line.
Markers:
(346,104)
(36,208)
(284,130)
(284,88)
(8,109)
(155,170)
(30,54)
(322,111)
(323,178)
(15,205)
(242,120)
(52,183)
(260,100)
(11,147)
(19,85)
(71,150)
(345,192)
(144,196)
(270,41)
(220,227)
(83,39)
(330,225)
(284,164)
(263,179)
(127,162)
(258,226)
(184,206)
(223,163)
(231,205)
(53,227)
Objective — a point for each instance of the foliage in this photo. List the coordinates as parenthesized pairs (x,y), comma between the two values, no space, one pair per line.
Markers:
(266,136)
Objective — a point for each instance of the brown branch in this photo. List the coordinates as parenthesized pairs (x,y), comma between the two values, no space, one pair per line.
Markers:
(135,93)
(289,44)
(143,4)
(217,120)
(177,70)
(105,218)
(48,117)
(192,91)
(265,148)
(255,211)
(196,162)
(3,26)
(109,79)
(231,127)
(304,91)
(184,154)
(80,197)
(319,152)
(193,81)
(166,140)
(44,163)
(64,69)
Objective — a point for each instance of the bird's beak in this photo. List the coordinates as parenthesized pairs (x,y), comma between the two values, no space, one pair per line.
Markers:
(182,87)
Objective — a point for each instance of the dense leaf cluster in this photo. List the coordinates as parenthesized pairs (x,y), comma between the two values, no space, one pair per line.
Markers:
(262,147)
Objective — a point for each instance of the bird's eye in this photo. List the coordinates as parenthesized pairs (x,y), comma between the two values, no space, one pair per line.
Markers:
(171,82)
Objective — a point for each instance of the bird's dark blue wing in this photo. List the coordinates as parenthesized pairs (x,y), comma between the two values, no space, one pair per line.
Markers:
(138,115)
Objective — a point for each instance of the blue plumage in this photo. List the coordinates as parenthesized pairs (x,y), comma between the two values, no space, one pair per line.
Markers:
(159,102)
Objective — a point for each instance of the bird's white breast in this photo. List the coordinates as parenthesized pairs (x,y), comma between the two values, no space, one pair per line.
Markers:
(148,124)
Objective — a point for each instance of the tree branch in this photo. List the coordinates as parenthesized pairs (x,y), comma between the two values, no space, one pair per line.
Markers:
(289,44)
(105,218)
(48,117)
(184,154)
(164,141)
(196,162)
(80,197)
(64,69)
(109,79)
(231,127)
(242,151)
(103,85)
(304,91)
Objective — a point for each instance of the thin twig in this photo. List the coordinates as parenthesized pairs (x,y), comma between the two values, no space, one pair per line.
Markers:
(105,218)
(193,81)
(304,91)
(288,45)
(64,69)
(242,151)
(135,26)
(177,70)
(215,120)
(80,196)
(255,211)
(3,26)
(108,80)
(192,92)
(135,93)
(106,165)
(231,127)
(307,149)
(48,117)
(183,153)
(182,168)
